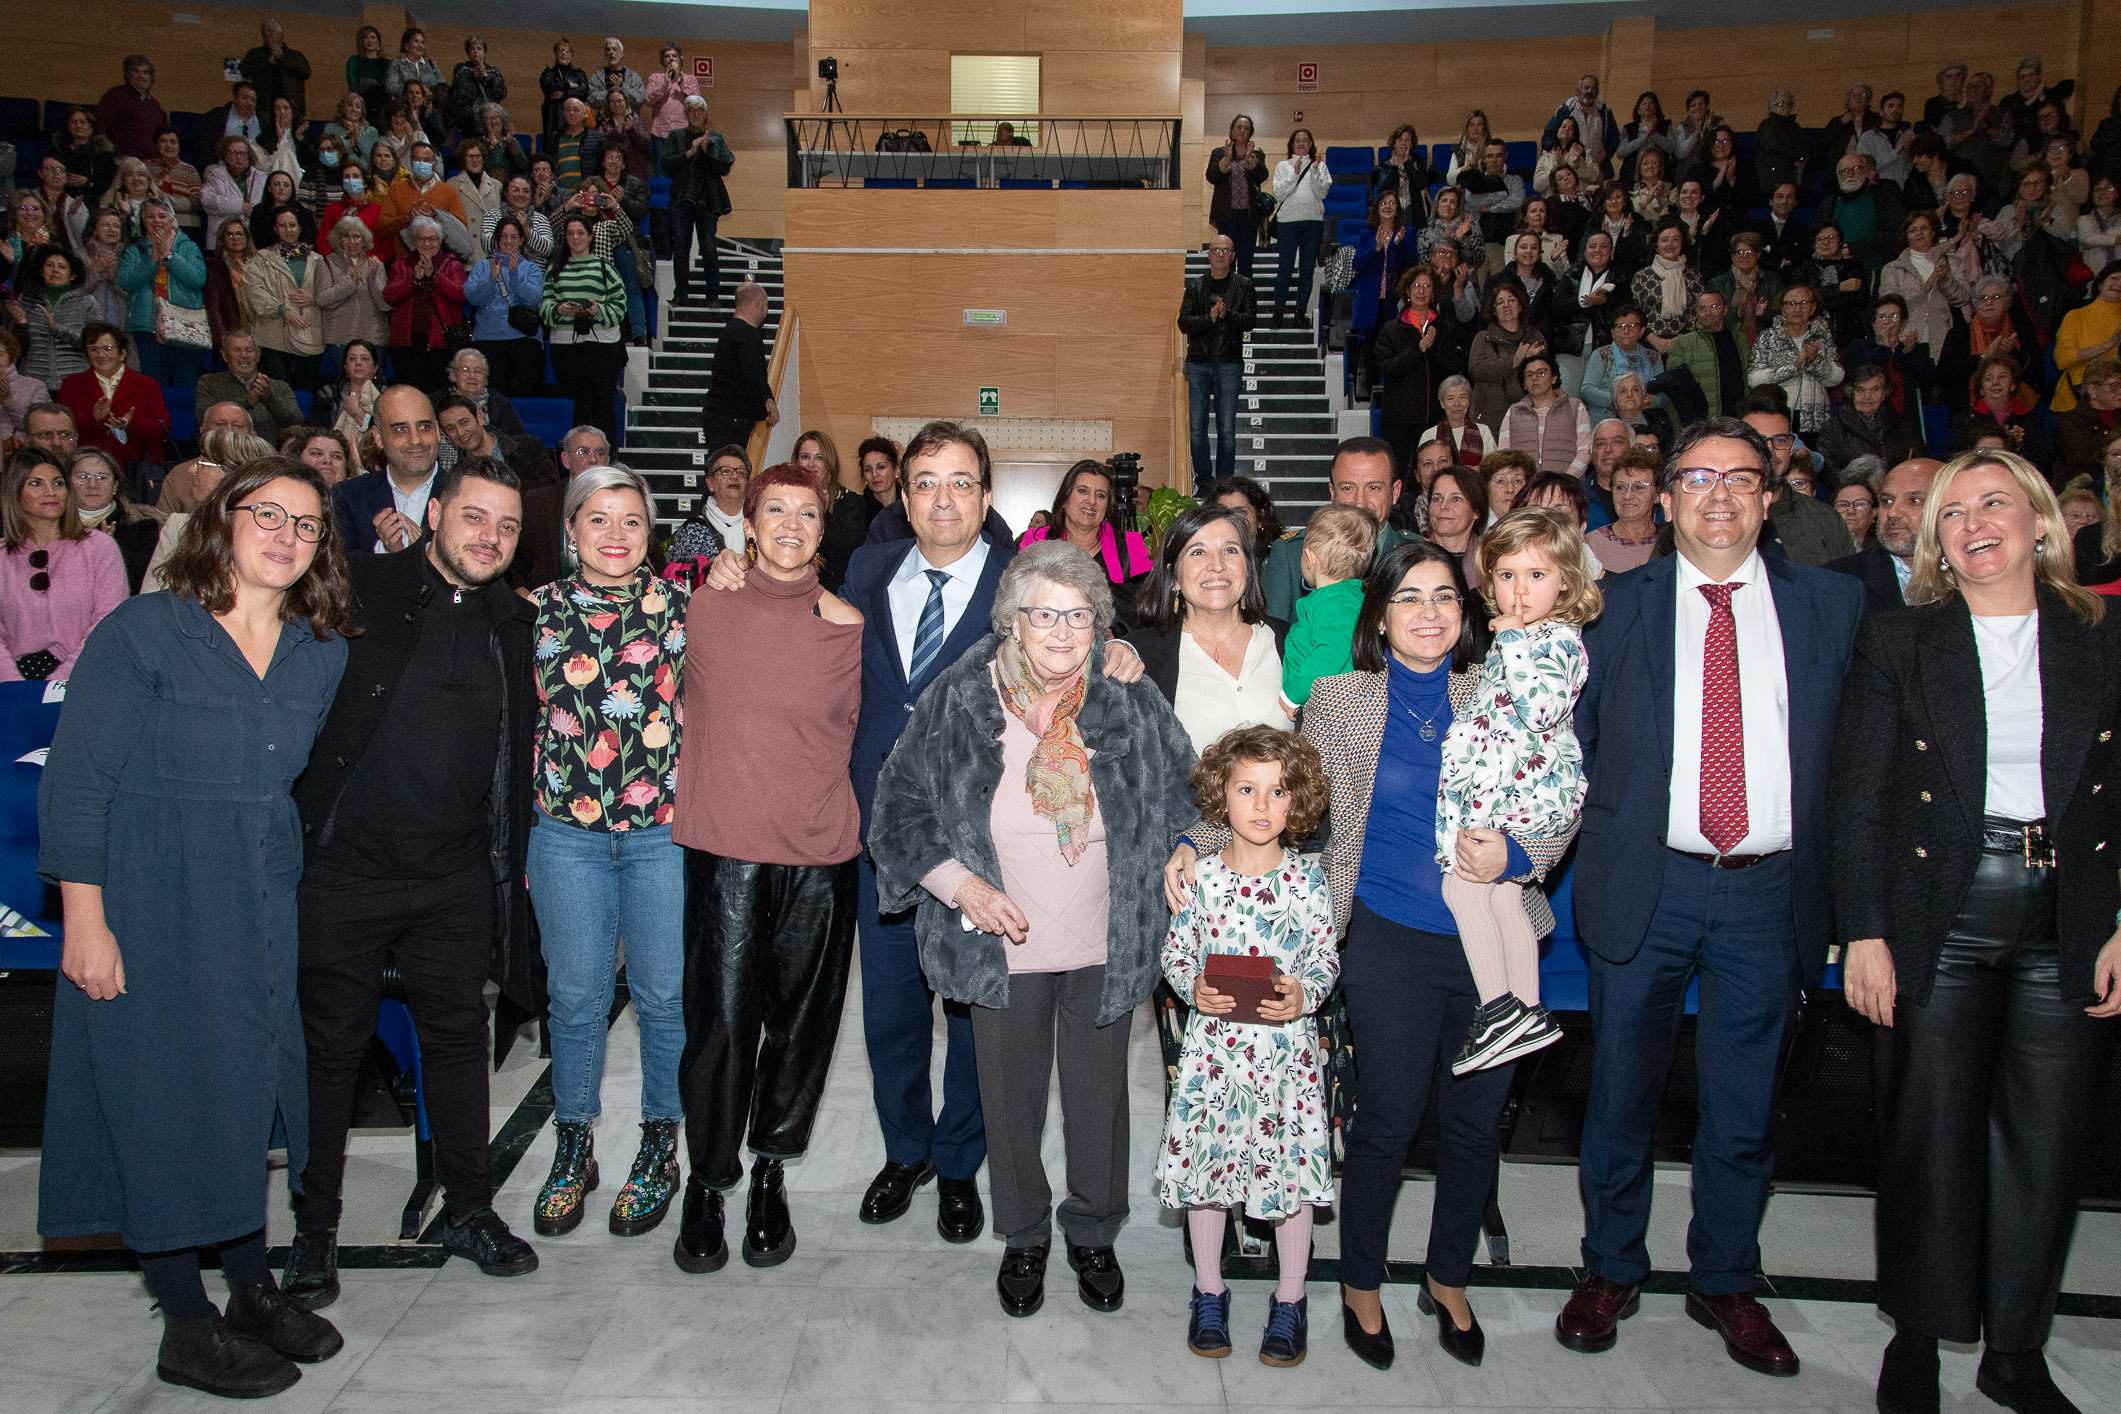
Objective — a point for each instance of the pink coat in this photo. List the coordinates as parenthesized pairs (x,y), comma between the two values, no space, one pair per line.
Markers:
(85,581)
(1138,561)
(665,109)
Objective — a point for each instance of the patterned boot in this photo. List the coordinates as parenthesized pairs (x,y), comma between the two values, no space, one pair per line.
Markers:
(653,1182)
(573,1178)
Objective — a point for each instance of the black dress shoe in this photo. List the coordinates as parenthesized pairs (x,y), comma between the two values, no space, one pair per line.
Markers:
(311,1281)
(1022,1280)
(1376,1351)
(700,1247)
(204,1353)
(769,1234)
(959,1215)
(891,1191)
(484,1240)
(1098,1277)
(2021,1383)
(1465,1346)
(266,1315)
(1907,1376)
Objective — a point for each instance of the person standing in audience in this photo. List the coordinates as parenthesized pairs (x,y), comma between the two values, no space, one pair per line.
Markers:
(740,397)
(1411,358)
(1301,182)
(416,811)
(128,113)
(277,70)
(177,1042)
(1364,473)
(161,267)
(1886,563)
(1595,123)
(697,160)
(115,408)
(560,80)
(1237,171)
(1719,360)
(1715,866)
(426,296)
(1979,929)
(615,77)
(350,289)
(1546,422)
(1215,313)
(280,290)
(412,64)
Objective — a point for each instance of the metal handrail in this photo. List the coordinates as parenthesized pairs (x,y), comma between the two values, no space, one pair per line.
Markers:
(957,150)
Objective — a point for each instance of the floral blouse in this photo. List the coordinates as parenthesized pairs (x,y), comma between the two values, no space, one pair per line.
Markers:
(609,664)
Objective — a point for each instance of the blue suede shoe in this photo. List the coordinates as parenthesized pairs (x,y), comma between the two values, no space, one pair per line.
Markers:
(1288,1333)
(1208,1332)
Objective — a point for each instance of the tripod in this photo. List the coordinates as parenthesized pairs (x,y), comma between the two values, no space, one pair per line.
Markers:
(832,96)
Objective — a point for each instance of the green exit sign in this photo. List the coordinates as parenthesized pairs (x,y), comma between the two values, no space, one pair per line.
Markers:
(990,402)
(987,318)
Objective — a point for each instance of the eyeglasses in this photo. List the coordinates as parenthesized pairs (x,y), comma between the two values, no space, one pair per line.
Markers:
(1699,480)
(1783,441)
(40,561)
(1634,486)
(272,517)
(1991,299)
(929,485)
(1043,617)
(1412,599)
(92,478)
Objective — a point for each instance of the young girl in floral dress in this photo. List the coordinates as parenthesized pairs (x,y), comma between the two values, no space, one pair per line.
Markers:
(1513,764)
(1247,1122)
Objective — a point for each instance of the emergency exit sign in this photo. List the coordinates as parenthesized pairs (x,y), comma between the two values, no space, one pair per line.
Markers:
(990,402)
(986,318)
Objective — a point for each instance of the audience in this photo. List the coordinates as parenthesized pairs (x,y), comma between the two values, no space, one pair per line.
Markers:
(584,309)
(425,292)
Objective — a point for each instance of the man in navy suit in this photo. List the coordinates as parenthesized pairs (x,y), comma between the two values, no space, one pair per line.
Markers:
(382,512)
(1707,725)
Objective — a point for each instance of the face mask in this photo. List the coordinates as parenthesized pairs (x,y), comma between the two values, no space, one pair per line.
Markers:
(328,158)
(354,186)
(421,171)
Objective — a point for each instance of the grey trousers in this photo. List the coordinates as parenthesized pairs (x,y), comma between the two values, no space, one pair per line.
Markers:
(1015,1045)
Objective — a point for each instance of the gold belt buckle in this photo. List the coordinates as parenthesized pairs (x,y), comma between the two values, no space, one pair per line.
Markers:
(2039,849)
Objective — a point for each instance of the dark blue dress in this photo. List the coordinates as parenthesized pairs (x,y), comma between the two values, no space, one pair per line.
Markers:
(168,785)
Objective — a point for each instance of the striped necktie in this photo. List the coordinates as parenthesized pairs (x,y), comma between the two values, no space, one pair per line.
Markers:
(928,636)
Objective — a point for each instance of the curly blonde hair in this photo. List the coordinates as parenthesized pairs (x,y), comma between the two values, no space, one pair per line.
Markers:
(1553,532)
(1303,775)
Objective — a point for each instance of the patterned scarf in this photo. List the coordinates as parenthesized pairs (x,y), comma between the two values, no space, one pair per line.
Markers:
(1058,776)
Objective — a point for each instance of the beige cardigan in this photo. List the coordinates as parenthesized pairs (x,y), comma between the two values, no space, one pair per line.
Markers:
(268,285)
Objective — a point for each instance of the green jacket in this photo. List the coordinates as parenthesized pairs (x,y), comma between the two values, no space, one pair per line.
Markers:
(1322,642)
(1282,578)
(1811,531)
(268,419)
(1695,351)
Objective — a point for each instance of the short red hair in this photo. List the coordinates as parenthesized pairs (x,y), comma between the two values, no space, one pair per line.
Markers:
(786,474)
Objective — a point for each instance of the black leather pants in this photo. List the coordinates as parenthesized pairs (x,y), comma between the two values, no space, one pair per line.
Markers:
(766,954)
(1986,1091)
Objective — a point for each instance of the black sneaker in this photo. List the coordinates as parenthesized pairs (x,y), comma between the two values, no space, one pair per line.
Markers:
(1098,1277)
(266,1315)
(1540,1031)
(1495,1025)
(1022,1280)
(311,1281)
(1287,1337)
(485,1241)
(1208,1328)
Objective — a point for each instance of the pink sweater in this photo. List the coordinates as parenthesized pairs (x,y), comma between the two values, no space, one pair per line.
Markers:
(87,582)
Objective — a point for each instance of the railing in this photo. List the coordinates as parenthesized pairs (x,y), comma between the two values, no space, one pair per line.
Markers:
(779,371)
(991,151)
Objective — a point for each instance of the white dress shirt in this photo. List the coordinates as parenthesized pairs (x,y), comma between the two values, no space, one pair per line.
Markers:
(1763,697)
(2009,649)
(908,595)
(410,504)
(1210,702)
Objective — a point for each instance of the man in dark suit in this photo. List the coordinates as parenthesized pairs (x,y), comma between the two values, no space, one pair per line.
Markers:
(1884,564)
(382,512)
(1707,727)
(739,398)
(1789,241)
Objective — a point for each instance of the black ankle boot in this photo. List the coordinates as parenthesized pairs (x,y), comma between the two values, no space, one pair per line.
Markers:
(266,1315)
(1907,1377)
(700,1247)
(2021,1383)
(769,1235)
(202,1352)
(311,1281)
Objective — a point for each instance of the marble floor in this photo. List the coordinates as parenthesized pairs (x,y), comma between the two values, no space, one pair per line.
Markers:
(894,1319)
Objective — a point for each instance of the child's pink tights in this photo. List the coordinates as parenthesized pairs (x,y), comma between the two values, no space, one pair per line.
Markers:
(1292,1243)
(1500,947)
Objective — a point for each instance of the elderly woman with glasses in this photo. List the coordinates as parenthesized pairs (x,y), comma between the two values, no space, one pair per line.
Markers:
(98,484)
(2001,324)
(1796,353)
(1026,812)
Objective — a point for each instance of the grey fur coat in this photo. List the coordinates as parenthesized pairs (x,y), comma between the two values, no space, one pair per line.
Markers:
(933,804)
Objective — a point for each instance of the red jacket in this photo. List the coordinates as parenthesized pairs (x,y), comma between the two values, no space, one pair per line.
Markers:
(445,294)
(137,394)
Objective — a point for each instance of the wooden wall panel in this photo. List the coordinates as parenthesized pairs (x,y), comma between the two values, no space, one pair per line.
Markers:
(933,219)
(1089,82)
(1109,25)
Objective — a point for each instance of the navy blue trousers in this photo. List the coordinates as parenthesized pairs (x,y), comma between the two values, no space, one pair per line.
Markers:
(898,1022)
(1732,929)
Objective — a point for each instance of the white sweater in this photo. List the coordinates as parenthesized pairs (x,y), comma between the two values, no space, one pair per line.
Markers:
(1301,199)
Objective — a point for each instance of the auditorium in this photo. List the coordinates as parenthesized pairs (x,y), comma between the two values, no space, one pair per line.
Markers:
(1494,621)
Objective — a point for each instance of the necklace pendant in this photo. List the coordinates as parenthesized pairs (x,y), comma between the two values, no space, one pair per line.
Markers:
(1428,731)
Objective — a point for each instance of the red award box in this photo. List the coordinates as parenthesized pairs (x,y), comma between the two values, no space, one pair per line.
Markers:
(1249,979)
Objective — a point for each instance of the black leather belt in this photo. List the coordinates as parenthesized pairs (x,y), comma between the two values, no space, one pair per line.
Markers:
(1723,861)
(2028,839)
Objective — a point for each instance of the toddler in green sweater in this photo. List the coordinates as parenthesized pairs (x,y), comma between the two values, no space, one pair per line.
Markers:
(1338,543)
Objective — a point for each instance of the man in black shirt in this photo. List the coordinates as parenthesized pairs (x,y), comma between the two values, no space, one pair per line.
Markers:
(1215,315)
(740,399)
(416,814)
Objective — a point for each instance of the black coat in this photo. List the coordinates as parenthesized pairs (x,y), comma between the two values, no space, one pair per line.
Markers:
(392,591)
(1409,375)
(1910,780)
(740,388)
(1159,653)
(1211,340)
(1873,564)
(1579,327)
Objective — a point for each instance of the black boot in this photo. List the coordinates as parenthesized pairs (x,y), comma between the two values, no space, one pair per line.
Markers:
(266,1315)
(1907,1377)
(2021,1383)
(700,1246)
(204,1353)
(311,1281)
(769,1236)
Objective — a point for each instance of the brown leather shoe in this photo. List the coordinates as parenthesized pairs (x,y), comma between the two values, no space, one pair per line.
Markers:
(1590,1322)
(1749,1333)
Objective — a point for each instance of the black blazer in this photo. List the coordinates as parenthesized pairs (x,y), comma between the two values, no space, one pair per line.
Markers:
(1159,653)
(1881,583)
(1624,721)
(1910,781)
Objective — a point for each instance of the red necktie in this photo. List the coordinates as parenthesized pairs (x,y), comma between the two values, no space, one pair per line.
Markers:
(1723,816)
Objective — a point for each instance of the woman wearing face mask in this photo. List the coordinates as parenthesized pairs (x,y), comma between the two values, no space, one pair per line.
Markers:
(51,309)
(234,184)
(100,500)
(321,177)
(355,200)
(280,290)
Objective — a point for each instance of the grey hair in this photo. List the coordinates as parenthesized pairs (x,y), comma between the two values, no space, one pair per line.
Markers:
(468,352)
(420,225)
(613,477)
(579,430)
(229,449)
(1999,280)
(1625,378)
(1867,469)
(1456,380)
(1602,422)
(1778,95)
(159,203)
(349,226)
(508,127)
(1051,562)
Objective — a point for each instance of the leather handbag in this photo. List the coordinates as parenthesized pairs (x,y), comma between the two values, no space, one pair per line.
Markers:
(524,320)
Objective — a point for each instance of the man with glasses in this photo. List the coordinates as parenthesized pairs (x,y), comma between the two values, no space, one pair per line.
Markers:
(1887,563)
(1806,527)
(1867,212)
(1707,725)
(51,426)
(416,811)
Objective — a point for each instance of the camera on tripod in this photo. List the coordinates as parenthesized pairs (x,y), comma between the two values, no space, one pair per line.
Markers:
(828,69)
(1126,472)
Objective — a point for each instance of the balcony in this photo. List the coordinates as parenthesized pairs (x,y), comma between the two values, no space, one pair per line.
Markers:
(982,152)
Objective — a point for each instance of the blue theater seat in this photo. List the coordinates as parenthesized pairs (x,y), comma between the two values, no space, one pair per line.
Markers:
(894,183)
(546,419)
(952,183)
(1524,156)
(1349,162)
(1025,184)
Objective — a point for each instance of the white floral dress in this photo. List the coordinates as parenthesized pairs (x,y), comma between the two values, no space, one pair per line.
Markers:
(1247,1121)
(1512,762)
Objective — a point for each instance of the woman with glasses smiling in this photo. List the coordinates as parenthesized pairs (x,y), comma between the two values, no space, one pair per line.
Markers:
(98,484)
(1796,354)
(57,579)
(177,1052)
(2001,324)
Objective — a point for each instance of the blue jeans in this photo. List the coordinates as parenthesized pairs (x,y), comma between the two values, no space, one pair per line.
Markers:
(1219,382)
(171,365)
(591,888)
(1299,259)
